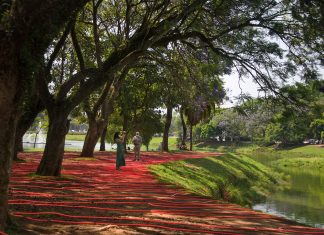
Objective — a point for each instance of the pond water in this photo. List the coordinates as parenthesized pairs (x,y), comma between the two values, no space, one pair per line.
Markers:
(69,144)
(301,201)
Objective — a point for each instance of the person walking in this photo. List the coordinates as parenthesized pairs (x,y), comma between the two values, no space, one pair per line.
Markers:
(137,141)
(119,140)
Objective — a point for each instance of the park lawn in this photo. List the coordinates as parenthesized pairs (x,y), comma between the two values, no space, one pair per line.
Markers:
(300,157)
(300,162)
(309,149)
(223,147)
(231,177)
(77,136)
(155,142)
(33,149)
(309,156)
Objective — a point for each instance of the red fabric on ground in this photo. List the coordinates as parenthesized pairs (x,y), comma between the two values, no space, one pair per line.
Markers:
(95,193)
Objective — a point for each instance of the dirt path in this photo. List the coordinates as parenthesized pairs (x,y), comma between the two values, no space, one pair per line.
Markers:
(94,198)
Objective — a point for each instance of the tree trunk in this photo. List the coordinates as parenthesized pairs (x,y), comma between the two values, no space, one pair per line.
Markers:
(190,137)
(168,119)
(94,132)
(18,147)
(7,137)
(125,128)
(23,125)
(20,47)
(20,131)
(29,113)
(51,162)
(107,109)
(9,101)
(184,129)
(103,139)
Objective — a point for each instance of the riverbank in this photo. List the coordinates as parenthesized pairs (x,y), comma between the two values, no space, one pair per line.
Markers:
(230,177)
(307,156)
(303,198)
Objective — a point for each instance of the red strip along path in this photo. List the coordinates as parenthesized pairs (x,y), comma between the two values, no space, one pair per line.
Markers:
(95,198)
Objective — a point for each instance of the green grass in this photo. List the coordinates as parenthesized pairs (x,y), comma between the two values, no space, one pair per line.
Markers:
(62,177)
(33,149)
(79,137)
(83,159)
(155,142)
(212,146)
(300,162)
(309,149)
(308,156)
(230,177)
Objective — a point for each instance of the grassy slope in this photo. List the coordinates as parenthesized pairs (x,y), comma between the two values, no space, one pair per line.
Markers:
(237,178)
(309,156)
(231,177)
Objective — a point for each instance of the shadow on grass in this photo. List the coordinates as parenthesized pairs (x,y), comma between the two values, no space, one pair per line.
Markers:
(232,178)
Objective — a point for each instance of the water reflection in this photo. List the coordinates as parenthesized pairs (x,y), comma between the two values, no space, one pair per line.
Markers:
(302,201)
(69,144)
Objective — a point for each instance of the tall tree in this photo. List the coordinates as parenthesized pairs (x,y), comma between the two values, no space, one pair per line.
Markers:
(237,37)
(32,103)
(99,113)
(184,128)
(123,50)
(139,97)
(292,121)
(26,30)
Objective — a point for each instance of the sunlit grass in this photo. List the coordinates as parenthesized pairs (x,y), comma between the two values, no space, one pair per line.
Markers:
(212,146)
(230,177)
(83,159)
(78,137)
(33,149)
(310,149)
(62,177)
(299,162)
(155,142)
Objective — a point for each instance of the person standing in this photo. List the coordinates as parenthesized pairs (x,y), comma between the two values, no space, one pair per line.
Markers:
(137,141)
(119,140)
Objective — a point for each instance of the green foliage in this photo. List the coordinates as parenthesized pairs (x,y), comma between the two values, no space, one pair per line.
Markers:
(305,157)
(229,177)
(40,123)
(317,126)
(139,96)
(287,129)
(114,125)
(293,119)
(269,120)
(147,123)
(5,14)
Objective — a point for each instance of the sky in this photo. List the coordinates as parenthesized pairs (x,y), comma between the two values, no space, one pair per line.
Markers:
(235,86)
